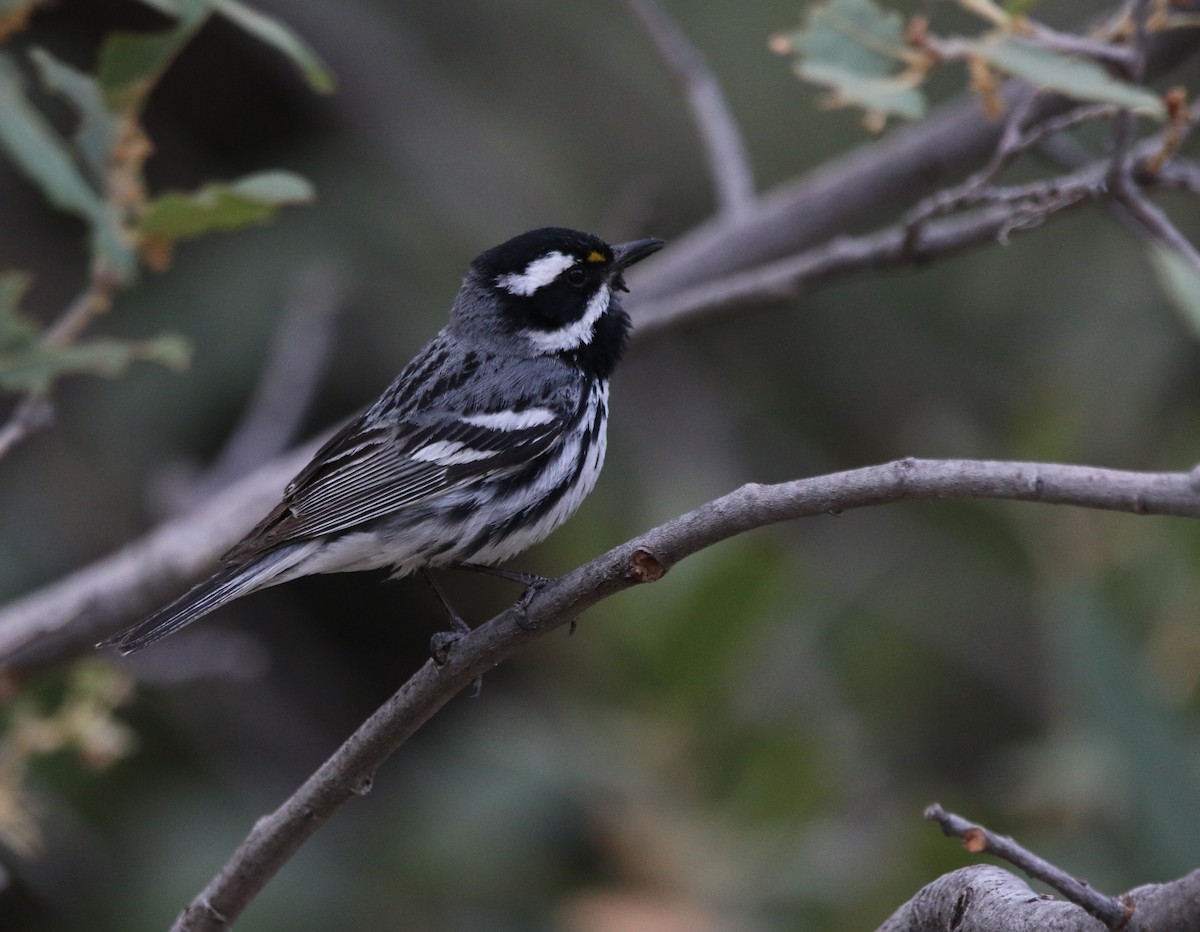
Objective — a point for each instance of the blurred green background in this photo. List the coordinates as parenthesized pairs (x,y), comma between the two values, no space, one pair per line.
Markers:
(747,744)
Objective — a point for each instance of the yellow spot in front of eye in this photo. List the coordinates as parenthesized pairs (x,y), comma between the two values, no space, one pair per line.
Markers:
(595,256)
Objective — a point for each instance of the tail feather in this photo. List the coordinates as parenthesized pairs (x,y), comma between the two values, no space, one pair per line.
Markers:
(223,586)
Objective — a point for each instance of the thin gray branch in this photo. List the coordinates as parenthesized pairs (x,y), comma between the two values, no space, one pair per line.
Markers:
(1181,174)
(30,414)
(979,840)
(877,178)
(1106,53)
(1154,220)
(295,362)
(351,768)
(784,279)
(984,898)
(33,412)
(728,160)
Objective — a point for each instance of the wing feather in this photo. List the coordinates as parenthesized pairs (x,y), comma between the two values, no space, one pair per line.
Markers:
(367,471)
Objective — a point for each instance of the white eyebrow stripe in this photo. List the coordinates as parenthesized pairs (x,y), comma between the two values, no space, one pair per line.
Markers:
(511,420)
(575,334)
(449,453)
(538,273)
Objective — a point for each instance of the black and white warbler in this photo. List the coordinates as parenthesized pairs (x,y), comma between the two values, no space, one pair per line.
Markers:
(486,442)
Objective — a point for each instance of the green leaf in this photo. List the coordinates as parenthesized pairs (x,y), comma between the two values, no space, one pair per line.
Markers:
(224,206)
(32,365)
(274,33)
(45,158)
(40,153)
(1075,77)
(1180,280)
(130,64)
(97,126)
(857,49)
(28,363)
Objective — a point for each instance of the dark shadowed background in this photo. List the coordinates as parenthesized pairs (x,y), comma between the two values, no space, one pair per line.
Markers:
(747,744)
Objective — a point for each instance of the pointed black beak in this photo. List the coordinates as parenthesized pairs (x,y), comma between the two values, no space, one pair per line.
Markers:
(626,254)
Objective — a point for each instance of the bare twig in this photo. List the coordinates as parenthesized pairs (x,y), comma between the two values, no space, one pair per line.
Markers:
(350,770)
(1011,209)
(31,413)
(34,411)
(865,184)
(1182,174)
(979,840)
(728,160)
(295,363)
(1121,57)
(1154,220)
(95,299)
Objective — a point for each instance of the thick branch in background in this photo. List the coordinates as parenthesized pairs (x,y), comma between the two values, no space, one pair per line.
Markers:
(872,181)
(351,769)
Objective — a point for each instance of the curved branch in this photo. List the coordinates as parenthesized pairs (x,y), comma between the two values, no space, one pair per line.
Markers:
(728,160)
(350,770)
(985,898)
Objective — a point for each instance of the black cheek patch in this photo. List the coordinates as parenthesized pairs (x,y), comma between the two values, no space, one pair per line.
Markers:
(556,305)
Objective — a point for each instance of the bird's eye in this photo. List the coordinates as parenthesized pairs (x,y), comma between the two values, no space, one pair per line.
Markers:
(576,275)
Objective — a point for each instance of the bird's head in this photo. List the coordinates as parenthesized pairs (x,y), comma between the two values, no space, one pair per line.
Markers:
(556,290)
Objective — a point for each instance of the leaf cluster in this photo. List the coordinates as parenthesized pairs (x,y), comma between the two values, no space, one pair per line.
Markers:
(95,173)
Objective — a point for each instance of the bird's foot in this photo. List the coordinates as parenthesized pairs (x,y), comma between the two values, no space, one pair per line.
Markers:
(533,585)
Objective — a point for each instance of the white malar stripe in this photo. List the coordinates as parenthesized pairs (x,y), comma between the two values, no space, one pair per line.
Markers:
(449,453)
(576,334)
(511,420)
(538,273)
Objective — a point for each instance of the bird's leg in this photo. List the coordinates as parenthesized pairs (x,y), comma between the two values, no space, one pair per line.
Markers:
(441,643)
(530,581)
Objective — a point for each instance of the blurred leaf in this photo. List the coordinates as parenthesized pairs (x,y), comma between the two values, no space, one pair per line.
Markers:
(97,126)
(29,364)
(38,150)
(131,64)
(45,158)
(1075,77)
(224,206)
(274,33)
(1180,281)
(858,50)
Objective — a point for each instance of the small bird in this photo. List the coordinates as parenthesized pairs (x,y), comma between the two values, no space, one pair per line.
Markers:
(486,442)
